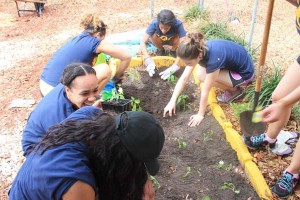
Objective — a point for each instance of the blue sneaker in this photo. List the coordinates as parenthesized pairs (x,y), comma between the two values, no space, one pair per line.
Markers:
(285,186)
(257,142)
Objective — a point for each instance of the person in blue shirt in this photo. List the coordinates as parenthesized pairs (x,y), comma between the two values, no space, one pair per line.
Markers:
(285,95)
(78,88)
(223,64)
(92,155)
(165,32)
(84,48)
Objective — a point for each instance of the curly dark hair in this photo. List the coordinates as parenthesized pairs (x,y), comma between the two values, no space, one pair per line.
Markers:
(117,173)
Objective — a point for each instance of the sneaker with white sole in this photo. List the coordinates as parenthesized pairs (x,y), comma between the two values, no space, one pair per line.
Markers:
(228,97)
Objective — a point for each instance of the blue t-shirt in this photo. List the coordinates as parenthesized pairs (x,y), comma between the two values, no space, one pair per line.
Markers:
(49,176)
(176,29)
(223,54)
(52,109)
(82,48)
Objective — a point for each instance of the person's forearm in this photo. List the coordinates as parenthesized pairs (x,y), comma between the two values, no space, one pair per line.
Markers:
(291,98)
(144,50)
(177,61)
(203,104)
(294,2)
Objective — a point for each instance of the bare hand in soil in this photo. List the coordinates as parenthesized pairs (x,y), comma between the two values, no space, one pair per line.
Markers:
(170,108)
(195,120)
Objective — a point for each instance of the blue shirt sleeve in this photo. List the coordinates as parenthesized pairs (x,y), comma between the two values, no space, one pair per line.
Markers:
(152,28)
(86,112)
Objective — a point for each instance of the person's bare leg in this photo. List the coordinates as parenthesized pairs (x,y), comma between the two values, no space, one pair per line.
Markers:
(294,167)
(224,81)
(157,41)
(103,73)
(288,83)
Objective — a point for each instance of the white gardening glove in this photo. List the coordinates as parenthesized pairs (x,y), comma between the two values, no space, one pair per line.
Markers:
(168,72)
(150,66)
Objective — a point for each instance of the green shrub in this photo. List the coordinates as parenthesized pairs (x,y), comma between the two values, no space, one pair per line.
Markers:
(195,12)
(269,83)
(239,107)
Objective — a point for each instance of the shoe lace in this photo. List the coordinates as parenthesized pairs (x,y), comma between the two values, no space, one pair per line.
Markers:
(286,182)
(258,140)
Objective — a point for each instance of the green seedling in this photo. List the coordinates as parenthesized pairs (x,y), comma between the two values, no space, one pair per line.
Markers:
(136,104)
(208,136)
(188,171)
(206,198)
(172,79)
(117,94)
(181,102)
(134,75)
(230,186)
(155,182)
(222,165)
(182,144)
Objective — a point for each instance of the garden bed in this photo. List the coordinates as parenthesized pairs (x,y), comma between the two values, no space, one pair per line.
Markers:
(195,162)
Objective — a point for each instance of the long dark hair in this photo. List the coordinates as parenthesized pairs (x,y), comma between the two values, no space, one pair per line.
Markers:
(118,175)
(191,47)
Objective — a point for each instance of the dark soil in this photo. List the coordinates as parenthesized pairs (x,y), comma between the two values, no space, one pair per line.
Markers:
(189,160)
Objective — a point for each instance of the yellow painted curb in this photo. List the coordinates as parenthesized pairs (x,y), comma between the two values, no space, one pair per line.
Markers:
(233,137)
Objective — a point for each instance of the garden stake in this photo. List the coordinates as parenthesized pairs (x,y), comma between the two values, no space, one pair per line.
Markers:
(249,127)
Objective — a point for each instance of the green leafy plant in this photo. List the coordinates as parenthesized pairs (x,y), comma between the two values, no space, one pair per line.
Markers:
(195,12)
(181,102)
(172,79)
(230,186)
(239,107)
(206,198)
(188,171)
(155,182)
(181,144)
(135,104)
(222,165)
(133,74)
(116,94)
(208,136)
(269,83)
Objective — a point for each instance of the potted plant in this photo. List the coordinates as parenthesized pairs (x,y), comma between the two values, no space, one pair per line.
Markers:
(117,102)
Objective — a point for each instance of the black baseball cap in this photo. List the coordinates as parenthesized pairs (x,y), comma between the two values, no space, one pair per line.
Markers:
(142,136)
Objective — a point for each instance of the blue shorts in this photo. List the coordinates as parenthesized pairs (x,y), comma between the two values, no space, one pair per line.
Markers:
(298,60)
(237,80)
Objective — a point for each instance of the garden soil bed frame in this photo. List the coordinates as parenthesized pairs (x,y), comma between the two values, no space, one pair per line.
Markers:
(190,160)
